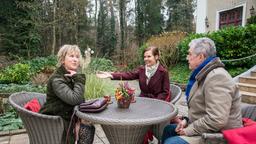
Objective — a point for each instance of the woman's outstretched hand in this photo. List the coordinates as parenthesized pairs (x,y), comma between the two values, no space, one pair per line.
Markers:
(102,74)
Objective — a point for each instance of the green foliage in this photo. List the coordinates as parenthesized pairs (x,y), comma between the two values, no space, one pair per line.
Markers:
(231,43)
(251,20)
(39,63)
(95,87)
(10,121)
(112,33)
(18,73)
(19,26)
(139,28)
(11,88)
(153,17)
(180,15)
(21,73)
(236,71)
(179,73)
(106,37)
(149,20)
(183,45)
(122,7)
(101,64)
(141,54)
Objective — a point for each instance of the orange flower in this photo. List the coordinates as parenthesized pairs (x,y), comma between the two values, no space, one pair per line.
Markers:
(123,91)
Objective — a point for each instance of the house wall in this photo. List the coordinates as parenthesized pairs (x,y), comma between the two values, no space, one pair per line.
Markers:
(200,16)
(214,7)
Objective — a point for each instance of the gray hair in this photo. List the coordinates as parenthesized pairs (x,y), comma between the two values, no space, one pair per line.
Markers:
(64,50)
(203,45)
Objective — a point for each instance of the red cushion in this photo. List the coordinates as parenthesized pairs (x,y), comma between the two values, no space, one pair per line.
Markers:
(33,105)
(243,135)
(248,122)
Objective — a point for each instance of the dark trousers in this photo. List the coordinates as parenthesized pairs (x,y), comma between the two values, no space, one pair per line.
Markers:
(170,136)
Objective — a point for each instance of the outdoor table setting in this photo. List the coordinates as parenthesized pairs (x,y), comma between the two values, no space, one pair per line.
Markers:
(129,125)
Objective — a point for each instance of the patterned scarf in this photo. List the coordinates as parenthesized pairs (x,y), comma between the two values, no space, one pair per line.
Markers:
(150,71)
(192,78)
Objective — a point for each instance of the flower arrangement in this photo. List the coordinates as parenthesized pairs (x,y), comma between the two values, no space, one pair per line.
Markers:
(124,95)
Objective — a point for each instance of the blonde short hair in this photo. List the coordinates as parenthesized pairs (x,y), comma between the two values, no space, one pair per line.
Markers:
(64,50)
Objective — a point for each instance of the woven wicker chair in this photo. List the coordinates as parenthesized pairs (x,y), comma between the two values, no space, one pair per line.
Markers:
(175,93)
(41,128)
(248,111)
(175,96)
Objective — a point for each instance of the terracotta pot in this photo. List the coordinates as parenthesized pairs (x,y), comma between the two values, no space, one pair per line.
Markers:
(124,103)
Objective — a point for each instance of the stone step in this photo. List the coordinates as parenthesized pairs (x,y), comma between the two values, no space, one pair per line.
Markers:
(253,73)
(247,87)
(247,79)
(248,97)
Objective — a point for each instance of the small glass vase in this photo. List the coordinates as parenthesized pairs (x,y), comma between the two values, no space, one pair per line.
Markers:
(124,103)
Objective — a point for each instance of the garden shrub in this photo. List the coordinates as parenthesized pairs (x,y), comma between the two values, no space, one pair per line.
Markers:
(183,45)
(231,43)
(251,20)
(179,73)
(167,43)
(236,71)
(17,73)
(21,73)
(100,64)
(41,63)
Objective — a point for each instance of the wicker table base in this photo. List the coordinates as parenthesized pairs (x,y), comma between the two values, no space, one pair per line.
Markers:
(125,134)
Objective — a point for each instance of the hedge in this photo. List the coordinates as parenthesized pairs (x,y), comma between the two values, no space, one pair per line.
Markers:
(231,43)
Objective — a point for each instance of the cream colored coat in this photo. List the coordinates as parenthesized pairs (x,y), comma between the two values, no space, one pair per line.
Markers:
(214,101)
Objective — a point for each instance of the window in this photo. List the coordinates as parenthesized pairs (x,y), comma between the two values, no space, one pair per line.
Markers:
(231,17)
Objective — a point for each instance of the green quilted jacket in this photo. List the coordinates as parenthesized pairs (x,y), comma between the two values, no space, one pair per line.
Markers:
(63,93)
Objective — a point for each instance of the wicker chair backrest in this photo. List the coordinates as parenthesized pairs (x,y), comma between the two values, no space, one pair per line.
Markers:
(249,111)
(175,93)
(41,128)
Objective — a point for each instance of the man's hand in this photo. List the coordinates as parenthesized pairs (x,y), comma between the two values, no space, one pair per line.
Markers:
(176,120)
(180,127)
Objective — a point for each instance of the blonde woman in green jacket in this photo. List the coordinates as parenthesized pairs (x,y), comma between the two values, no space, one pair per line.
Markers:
(65,88)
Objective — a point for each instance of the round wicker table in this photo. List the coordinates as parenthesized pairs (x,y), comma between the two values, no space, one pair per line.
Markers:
(128,126)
